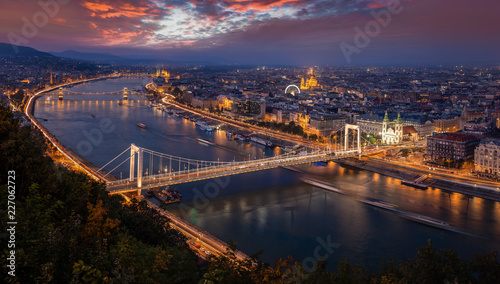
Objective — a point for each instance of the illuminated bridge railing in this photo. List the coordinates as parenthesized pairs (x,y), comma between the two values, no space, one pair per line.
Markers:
(227,168)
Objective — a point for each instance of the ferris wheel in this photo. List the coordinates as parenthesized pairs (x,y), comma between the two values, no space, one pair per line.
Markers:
(292,89)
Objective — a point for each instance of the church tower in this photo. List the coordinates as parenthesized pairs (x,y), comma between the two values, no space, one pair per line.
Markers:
(399,129)
(385,124)
(464,113)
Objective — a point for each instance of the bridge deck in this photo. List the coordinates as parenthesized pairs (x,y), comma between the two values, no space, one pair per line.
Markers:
(214,172)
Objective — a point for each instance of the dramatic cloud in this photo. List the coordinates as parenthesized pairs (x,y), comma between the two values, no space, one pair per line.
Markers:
(295,31)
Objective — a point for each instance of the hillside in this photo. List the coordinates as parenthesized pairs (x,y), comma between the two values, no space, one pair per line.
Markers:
(7,49)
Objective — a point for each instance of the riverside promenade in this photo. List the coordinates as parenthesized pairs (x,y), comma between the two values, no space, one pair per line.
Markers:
(456,183)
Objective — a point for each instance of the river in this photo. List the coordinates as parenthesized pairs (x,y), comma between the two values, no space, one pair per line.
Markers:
(270,210)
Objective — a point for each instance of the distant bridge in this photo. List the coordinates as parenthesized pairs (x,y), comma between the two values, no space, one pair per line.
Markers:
(122,92)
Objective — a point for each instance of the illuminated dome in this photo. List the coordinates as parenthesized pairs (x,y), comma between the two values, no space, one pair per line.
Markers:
(292,89)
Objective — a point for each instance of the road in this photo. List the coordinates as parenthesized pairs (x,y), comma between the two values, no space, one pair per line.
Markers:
(196,235)
(445,174)
(260,130)
(79,165)
(463,184)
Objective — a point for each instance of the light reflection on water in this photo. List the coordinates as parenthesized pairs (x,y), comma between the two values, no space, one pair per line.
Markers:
(272,210)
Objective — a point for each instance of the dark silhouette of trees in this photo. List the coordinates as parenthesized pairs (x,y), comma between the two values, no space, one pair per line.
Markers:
(71,231)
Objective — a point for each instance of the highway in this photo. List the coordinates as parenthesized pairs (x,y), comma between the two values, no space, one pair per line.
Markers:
(205,240)
(260,130)
(79,165)
(463,179)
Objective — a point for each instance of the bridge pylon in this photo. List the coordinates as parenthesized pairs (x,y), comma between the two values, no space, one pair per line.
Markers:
(61,93)
(354,128)
(139,151)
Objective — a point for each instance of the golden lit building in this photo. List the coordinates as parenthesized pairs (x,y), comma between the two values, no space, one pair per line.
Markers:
(163,73)
(304,117)
(226,103)
(487,157)
(311,83)
(448,125)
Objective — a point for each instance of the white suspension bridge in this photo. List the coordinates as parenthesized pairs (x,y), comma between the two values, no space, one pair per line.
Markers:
(165,169)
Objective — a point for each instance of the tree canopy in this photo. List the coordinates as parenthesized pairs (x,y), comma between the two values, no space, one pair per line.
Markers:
(71,231)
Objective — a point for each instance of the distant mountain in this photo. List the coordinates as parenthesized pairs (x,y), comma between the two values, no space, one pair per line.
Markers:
(119,60)
(7,49)
(103,58)
(98,57)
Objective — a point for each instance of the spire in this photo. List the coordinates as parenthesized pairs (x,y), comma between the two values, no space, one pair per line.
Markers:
(386,117)
(399,120)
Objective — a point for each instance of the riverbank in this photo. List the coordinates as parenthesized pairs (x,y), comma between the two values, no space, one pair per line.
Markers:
(196,234)
(245,126)
(79,163)
(434,179)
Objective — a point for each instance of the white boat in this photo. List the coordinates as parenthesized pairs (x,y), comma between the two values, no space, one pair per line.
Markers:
(261,141)
(427,220)
(379,203)
(203,126)
(205,141)
(323,185)
(239,137)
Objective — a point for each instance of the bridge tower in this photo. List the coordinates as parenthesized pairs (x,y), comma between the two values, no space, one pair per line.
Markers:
(133,150)
(125,93)
(353,128)
(61,93)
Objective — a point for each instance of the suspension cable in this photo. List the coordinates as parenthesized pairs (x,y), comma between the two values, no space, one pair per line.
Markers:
(114,159)
(117,166)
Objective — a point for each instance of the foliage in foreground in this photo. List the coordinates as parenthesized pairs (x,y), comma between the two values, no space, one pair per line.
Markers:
(71,231)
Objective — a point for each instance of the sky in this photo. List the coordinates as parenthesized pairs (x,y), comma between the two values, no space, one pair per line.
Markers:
(267,32)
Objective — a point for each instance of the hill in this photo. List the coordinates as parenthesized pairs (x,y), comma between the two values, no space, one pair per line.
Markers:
(7,49)
(98,57)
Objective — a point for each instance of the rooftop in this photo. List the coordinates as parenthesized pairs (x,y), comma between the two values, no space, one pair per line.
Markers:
(455,136)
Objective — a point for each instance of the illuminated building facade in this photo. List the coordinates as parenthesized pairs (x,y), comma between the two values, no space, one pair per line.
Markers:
(247,107)
(303,117)
(311,83)
(163,74)
(452,146)
(448,125)
(325,125)
(392,135)
(487,157)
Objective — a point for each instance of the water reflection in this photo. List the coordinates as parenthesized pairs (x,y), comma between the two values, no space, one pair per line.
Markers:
(272,210)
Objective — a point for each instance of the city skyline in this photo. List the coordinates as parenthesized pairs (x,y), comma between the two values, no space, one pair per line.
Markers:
(283,32)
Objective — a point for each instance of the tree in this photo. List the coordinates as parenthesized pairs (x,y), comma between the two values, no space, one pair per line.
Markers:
(177,93)
(99,227)
(404,153)
(449,161)
(17,98)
